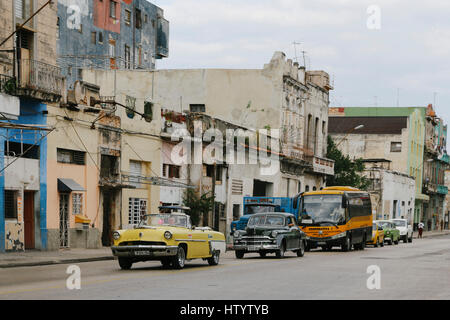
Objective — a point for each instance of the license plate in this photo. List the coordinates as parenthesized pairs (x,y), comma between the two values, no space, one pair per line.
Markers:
(142,253)
(251,248)
(321,243)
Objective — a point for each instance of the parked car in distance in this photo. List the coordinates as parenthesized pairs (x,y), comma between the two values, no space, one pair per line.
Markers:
(272,232)
(169,238)
(377,235)
(391,233)
(406,230)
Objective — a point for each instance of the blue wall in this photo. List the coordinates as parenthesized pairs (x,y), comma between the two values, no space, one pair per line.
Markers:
(31,112)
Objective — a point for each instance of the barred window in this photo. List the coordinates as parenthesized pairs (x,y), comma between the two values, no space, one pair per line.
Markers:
(77,203)
(11,204)
(137,208)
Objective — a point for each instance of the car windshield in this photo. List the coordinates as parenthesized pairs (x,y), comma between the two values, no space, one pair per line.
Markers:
(251,209)
(175,220)
(323,208)
(399,223)
(385,224)
(266,220)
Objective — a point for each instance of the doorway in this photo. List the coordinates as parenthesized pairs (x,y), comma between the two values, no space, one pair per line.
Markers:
(29,219)
(109,209)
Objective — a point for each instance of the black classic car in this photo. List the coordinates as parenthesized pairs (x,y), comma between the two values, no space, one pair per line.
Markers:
(270,232)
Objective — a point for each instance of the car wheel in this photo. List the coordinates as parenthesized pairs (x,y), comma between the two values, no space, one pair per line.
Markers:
(280,253)
(347,245)
(405,240)
(125,263)
(396,242)
(214,260)
(301,251)
(262,254)
(410,239)
(180,259)
(382,243)
(239,254)
(377,243)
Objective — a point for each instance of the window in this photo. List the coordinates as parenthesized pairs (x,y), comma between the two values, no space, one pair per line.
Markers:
(146,18)
(138,19)
(112,9)
(137,208)
(100,37)
(16,149)
(77,203)
(396,147)
(57,28)
(135,173)
(71,156)
(209,169)
(11,204)
(171,171)
(236,211)
(127,57)
(127,17)
(197,108)
(93,37)
(148,111)
(112,50)
(81,28)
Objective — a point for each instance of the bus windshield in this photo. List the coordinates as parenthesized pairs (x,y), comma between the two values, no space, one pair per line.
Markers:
(323,208)
(258,208)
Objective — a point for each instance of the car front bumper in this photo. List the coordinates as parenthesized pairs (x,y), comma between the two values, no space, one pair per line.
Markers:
(144,251)
(256,247)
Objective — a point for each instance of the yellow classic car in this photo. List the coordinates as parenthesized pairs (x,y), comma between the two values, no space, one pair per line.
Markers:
(169,238)
(377,235)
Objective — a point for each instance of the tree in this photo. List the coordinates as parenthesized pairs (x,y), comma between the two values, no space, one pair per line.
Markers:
(346,171)
(199,205)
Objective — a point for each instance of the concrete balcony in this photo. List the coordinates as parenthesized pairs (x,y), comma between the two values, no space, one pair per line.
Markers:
(39,81)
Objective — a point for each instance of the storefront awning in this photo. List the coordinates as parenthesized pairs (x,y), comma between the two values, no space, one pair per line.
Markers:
(68,185)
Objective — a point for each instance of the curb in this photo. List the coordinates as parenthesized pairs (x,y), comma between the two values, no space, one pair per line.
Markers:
(51,262)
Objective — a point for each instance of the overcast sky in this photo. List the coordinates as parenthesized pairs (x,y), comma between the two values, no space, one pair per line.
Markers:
(409,54)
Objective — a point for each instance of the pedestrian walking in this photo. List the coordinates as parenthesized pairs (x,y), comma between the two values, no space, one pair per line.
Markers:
(421,225)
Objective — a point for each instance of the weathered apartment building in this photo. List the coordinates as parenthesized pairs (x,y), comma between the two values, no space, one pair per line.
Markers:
(71,161)
(282,95)
(396,139)
(109,34)
(29,81)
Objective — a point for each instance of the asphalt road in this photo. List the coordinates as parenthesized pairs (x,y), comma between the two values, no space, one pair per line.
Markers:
(420,270)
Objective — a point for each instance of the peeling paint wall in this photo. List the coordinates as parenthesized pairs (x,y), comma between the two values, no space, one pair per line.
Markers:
(14,236)
(88,31)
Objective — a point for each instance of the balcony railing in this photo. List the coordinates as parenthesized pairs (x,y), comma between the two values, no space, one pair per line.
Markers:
(40,76)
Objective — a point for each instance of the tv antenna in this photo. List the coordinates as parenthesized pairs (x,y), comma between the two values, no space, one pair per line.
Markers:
(295,50)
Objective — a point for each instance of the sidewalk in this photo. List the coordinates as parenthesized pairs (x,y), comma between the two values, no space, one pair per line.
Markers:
(62,256)
(432,234)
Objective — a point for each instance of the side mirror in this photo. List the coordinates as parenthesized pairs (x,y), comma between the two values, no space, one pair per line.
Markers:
(290,225)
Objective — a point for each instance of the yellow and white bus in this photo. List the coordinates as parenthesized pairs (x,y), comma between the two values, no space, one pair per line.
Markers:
(335,216)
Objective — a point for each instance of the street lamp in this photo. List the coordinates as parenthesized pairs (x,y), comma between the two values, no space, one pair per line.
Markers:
(354,129)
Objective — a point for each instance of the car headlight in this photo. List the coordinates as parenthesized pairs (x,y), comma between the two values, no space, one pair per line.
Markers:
(168,235)
(236,234)
(116,235)
(274,234)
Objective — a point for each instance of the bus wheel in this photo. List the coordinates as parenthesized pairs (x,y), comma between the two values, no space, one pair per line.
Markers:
(347,245)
